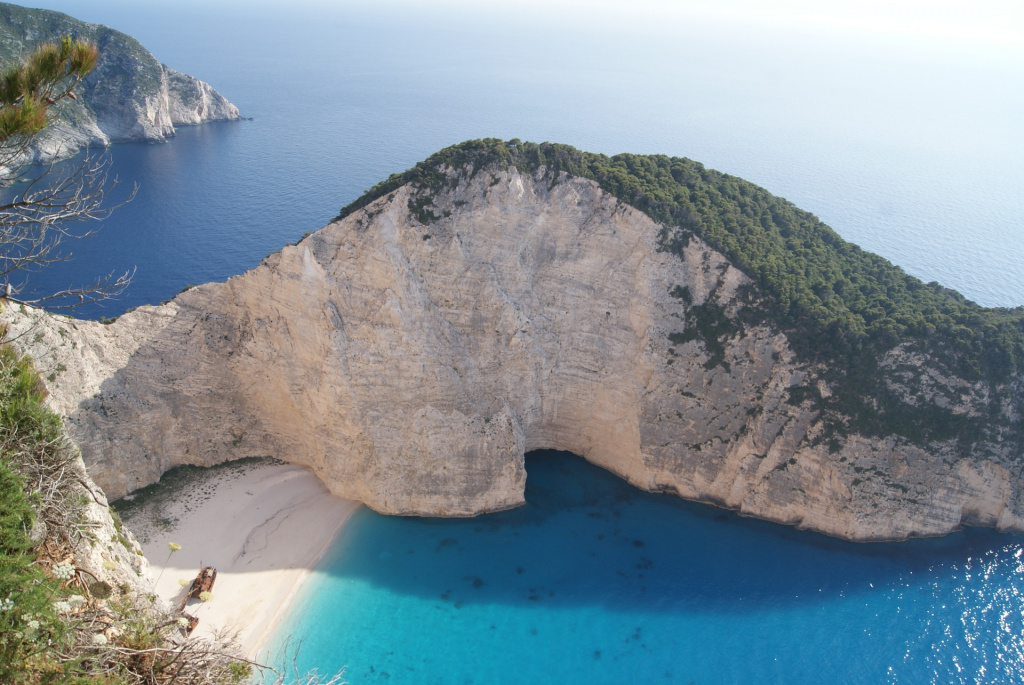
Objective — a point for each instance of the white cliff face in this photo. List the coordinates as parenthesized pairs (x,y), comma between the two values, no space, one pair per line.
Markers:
(110,552)
(128,97)
(190,101)
(411,366)
(139,116)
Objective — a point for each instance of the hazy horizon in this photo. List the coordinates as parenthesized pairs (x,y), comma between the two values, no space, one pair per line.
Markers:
(897,124)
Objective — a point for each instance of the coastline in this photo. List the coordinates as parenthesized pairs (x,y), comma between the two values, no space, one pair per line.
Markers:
(263,524)
(256,646)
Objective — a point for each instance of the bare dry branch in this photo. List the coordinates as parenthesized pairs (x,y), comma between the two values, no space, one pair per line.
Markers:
(47,204)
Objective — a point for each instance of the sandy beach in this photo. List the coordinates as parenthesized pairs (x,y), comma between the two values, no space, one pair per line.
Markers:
(262,524)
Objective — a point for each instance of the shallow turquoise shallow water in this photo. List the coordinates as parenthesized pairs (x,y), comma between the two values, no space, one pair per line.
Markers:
(594,581)
(913,151)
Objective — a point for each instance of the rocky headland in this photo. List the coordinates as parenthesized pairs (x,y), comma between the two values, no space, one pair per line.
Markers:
(505,297)
(128,97)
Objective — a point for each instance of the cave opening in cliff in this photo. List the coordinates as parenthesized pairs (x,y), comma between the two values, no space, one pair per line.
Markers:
(557,479)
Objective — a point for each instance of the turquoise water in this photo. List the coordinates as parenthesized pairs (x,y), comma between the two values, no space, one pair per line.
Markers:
(594,581)
(911,148)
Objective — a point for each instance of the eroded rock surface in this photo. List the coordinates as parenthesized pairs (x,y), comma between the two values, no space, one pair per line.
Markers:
(128,97)
(411,365)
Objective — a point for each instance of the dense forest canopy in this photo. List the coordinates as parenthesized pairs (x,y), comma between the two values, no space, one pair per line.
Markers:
(838,304)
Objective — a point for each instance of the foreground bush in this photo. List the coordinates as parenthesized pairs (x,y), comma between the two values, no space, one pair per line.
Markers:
(59,623)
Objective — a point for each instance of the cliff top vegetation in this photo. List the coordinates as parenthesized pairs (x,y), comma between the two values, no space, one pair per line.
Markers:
(125,67)
(839,305)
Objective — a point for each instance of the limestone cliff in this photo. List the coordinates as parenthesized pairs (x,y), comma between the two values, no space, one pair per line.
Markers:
(412,351)
(110,553)
(129,97)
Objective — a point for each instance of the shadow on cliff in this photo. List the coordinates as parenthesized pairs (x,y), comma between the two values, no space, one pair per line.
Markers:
(586,537)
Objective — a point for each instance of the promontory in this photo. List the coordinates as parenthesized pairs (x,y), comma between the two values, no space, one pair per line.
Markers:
(677,326)
(128,97)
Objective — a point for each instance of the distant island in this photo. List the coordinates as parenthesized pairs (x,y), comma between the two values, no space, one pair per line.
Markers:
(680,327)
(129,97)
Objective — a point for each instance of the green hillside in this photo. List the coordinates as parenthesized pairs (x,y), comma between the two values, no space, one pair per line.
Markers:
(839,305)
(126,68)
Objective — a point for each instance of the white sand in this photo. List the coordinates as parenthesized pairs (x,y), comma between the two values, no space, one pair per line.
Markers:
(263,527)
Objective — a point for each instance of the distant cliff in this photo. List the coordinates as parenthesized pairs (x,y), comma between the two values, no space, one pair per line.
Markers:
(129,97)
(505,297)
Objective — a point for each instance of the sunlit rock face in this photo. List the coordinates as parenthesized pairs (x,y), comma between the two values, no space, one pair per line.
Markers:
(412,365)
(129,96)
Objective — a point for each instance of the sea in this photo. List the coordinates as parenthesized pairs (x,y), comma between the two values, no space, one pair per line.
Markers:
(901,131)
(594,581)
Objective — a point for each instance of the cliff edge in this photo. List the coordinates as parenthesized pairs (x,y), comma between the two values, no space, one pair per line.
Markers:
(129,96)
(412,351)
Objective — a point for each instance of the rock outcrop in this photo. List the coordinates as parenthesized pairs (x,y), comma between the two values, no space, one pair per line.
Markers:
(110,553)
(411,360)
(129,97)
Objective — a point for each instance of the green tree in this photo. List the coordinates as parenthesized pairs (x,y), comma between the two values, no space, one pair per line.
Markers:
(50,202)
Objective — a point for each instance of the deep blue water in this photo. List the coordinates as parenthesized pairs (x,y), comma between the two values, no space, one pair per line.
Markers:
(910,147)
(594,581)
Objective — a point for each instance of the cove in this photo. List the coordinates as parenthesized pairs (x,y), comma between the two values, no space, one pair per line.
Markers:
(596,581)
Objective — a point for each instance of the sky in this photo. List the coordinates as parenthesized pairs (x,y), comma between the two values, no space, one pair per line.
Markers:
(794,95)
(980,22)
